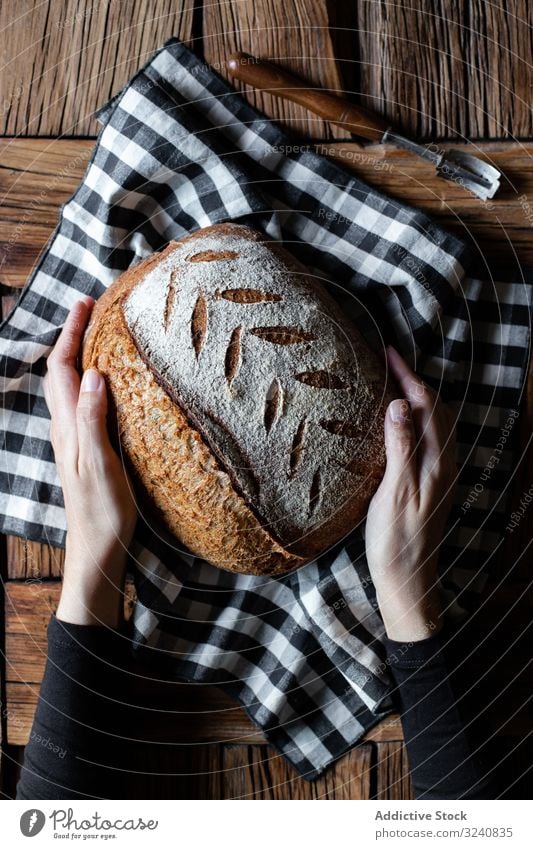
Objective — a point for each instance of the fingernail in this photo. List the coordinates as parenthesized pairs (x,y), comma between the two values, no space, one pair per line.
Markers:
(400,411)
(91,381)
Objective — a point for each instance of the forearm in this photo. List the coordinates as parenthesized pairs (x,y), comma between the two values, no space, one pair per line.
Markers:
(76,740)
(411,608)
(443,762)
(93,584)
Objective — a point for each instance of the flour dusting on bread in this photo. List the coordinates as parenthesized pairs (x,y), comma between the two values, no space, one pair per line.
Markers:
(266,367)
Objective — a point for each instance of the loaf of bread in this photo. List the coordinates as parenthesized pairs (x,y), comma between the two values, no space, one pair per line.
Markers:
(248,408)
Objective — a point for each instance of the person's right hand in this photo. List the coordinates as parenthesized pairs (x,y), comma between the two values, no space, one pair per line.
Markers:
(406,517)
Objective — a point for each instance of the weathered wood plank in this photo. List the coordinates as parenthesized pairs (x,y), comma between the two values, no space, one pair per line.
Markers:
(343,33)
(502,228)
(61,61)
(178,713)
(36,177)
(387,730)
(293,34)
(28,607)
(188,713)
(392,772)
(450,69)
(457,69)
(21,702)
(393,171)
(174,772)
(254,772)
(161,772)
(204,715)
(29,560)
(499,230)
(184,712)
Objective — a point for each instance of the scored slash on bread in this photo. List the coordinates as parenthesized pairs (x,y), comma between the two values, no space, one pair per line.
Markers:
(248,407)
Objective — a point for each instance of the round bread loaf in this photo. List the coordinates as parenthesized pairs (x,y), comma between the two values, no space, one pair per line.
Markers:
(248,408)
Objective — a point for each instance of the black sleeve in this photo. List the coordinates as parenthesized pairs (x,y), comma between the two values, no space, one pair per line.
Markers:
(75,745)
(443,763)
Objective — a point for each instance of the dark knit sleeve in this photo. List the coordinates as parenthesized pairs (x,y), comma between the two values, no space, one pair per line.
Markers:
(443,762)
(76,742)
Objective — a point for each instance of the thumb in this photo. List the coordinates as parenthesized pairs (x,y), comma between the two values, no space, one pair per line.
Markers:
(400,443)
(91,413)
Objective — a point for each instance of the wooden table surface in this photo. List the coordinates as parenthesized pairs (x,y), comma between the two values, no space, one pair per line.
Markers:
(461,71)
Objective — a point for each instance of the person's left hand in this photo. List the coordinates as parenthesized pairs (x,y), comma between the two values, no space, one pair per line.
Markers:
(99,499)
(407,515)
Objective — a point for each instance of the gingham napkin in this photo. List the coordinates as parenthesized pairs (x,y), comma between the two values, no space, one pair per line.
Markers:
(180,149)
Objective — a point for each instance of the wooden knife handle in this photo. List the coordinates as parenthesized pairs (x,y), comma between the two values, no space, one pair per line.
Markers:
(268,77)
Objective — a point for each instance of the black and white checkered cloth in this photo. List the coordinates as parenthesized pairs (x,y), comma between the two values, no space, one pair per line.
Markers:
(179,149)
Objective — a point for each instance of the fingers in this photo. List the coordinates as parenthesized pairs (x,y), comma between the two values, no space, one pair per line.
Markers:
(93,439)
(428,409)
(432,420)
(400,445)
(62,382)
(415,390)
(67,347)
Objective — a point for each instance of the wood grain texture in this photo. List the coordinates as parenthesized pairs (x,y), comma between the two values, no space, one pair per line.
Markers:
(170,772)
(392,772)
(200,713)
(61,61)
(21,702)
(178,772)
(29,560)
(28,606)
(452,69)
(448,69)
(176,713)
(254,772)
(232,772)
(456,70)
(501,228)
(293,34)
(53,169)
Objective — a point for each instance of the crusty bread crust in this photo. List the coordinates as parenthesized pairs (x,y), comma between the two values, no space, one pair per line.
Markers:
(176,472)
(168,459)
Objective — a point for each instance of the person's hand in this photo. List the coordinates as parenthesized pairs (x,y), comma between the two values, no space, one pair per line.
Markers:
(406,517)
(99,501)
